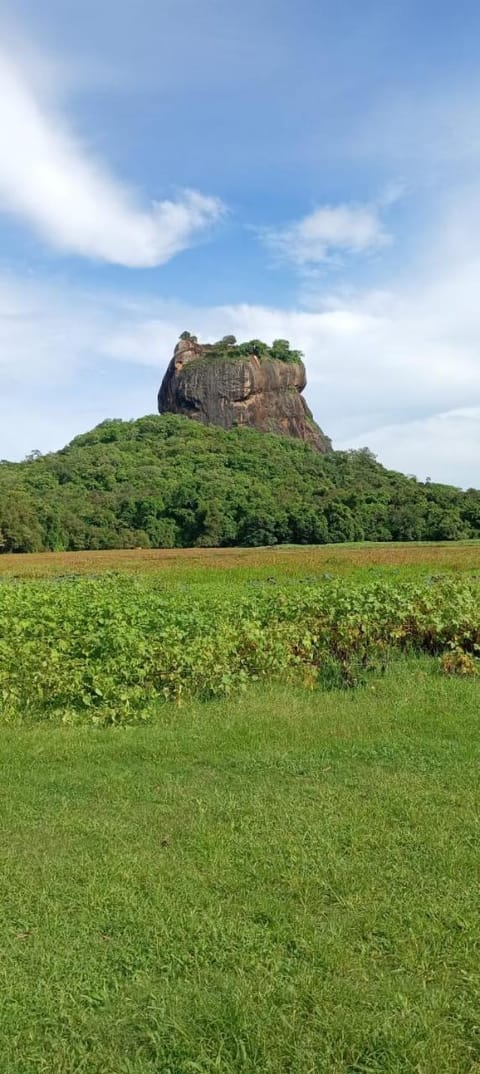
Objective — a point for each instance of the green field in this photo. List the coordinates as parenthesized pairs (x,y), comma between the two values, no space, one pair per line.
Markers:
(283,883)
(223,567)
(278,872)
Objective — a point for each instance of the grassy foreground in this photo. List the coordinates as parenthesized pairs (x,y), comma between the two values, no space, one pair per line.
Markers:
(283,883)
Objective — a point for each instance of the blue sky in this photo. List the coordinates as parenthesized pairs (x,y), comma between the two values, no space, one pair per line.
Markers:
(308,170)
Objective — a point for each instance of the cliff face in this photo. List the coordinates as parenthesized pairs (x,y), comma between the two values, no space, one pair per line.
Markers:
(262,392)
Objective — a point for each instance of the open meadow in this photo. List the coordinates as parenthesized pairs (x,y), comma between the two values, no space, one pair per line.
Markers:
(240,810)
(212,564)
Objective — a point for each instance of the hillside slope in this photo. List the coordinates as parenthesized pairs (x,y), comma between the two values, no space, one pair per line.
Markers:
(165,481)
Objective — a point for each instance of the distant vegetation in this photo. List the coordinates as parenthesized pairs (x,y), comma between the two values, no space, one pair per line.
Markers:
(166,481)
(229,348)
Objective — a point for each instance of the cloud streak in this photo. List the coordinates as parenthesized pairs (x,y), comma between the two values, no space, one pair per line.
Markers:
(49,179)
(329,231)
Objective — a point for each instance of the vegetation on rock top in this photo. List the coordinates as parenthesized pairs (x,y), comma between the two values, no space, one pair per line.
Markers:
(228,347)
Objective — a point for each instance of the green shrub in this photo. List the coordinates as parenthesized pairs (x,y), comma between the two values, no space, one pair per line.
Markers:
(103,648)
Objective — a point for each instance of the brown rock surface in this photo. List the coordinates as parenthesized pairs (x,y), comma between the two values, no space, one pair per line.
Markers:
(262,392)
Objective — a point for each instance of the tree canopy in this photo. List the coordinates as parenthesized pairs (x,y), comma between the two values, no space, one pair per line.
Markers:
(227,347)
(166,481)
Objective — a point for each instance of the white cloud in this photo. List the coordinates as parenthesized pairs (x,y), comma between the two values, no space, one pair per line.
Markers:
(328,231)
(51,180)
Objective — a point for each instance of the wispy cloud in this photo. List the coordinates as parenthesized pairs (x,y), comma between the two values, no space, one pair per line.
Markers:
(329,231)
(51,180)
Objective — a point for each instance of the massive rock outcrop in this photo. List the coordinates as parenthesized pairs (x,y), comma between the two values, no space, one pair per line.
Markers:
(226,385)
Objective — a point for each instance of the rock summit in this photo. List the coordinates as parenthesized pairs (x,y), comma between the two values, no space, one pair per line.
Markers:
(230,384)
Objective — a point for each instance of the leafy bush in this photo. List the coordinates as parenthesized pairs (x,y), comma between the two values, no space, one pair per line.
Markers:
(229,348)
(280,350)
(104,648)
(458,662)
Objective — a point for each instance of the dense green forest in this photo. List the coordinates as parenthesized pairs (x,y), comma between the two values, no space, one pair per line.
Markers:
(165,481)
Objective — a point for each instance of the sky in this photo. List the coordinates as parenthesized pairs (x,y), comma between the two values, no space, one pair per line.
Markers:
(307,170)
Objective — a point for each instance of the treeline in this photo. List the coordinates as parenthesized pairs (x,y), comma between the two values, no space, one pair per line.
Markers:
(164,482)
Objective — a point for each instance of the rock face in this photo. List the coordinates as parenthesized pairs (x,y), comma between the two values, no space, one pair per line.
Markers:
(227,390)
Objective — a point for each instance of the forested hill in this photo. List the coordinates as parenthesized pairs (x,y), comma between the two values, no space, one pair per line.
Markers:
(164,481)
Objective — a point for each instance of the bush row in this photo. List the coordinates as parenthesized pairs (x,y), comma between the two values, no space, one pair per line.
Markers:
(107,648)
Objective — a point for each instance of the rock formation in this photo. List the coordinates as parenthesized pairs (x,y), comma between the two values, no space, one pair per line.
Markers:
(228,385)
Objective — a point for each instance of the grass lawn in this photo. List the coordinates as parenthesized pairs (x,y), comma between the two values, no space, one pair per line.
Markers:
(284,883)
